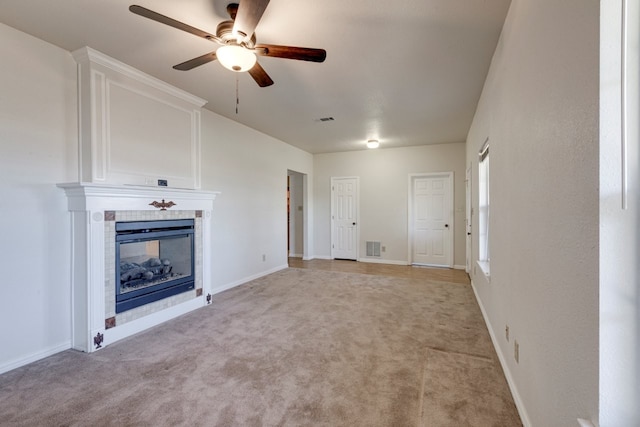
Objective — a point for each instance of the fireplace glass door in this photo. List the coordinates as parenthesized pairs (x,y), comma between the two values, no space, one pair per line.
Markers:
(154,260)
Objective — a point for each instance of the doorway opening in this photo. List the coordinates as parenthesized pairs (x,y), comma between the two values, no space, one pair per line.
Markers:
(296,214)
(468,219)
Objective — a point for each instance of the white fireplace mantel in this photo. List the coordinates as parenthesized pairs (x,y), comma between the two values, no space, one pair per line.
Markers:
(92,207)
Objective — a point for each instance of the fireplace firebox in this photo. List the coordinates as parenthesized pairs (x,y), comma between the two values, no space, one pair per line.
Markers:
(154,260)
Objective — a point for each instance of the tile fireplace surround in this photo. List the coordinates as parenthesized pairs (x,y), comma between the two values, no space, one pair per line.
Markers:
(95,208)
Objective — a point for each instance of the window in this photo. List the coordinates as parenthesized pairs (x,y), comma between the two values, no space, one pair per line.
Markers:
(484,254)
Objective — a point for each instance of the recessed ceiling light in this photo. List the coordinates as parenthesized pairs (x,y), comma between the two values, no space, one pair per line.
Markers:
(373,143)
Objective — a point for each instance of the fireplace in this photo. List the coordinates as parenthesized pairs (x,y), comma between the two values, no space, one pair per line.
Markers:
(114,225)
(166,275)
(154,260)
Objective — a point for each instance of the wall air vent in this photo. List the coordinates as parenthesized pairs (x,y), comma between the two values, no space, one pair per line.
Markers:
(373,248)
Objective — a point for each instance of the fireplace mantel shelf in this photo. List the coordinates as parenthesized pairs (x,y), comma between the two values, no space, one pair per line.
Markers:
(84,196)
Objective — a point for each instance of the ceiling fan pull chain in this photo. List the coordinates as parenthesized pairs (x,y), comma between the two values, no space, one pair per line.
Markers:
(237,96)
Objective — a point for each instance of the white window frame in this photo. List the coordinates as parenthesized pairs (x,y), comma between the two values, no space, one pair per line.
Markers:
(484,211)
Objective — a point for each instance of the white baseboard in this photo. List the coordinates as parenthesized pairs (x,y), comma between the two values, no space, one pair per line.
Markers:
(382,261)
(14,364)
(295,255)
(459,267)
(526,422)
(317,257)
(247,279)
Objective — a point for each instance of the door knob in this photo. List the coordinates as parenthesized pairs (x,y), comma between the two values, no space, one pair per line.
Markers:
(446,225)
(468,234)
(354,223)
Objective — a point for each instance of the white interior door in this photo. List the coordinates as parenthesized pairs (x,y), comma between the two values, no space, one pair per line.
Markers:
(344,218)
(432,219)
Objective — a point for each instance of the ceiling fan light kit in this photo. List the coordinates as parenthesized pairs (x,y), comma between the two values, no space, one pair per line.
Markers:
(236,58)
(238,51)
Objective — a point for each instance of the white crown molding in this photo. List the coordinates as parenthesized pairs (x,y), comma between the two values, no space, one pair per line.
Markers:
(87,54)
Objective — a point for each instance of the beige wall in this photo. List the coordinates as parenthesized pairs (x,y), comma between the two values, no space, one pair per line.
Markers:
(38,146)
(539,109)
(250,169)
(384,181)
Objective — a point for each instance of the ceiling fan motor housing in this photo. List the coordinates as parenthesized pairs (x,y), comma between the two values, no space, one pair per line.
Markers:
(224,32)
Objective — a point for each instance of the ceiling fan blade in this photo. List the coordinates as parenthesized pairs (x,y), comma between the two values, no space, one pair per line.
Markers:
(248,16)
(196,62)
(260,76)
(290,52)
(155,16)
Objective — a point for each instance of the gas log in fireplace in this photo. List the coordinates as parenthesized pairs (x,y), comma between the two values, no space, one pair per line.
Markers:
(154,260)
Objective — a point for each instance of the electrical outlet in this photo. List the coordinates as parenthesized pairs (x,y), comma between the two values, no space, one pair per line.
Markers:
(506,332)
(516,351)
(383,249)
(264,257)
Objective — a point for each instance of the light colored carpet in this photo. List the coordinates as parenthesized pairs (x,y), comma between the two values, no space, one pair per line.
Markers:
(295,348)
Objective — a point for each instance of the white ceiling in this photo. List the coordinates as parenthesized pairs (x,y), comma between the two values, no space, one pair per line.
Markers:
(406,73)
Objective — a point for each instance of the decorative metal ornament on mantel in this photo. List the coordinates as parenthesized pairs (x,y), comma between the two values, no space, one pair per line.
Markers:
(162,205)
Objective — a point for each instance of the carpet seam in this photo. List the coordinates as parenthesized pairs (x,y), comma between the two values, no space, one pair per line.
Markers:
(475,356)
(423,281)
(422,385)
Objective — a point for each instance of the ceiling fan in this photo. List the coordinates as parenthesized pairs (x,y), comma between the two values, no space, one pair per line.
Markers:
(237,38)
